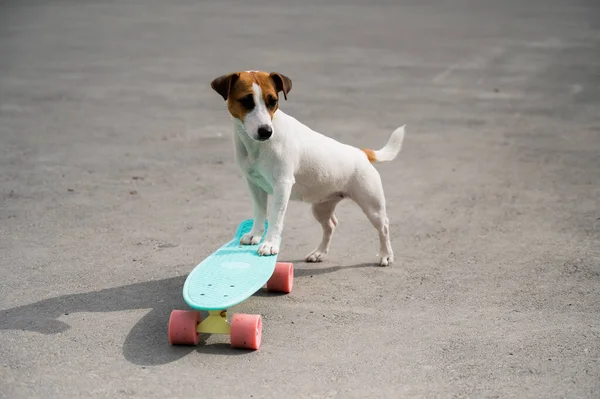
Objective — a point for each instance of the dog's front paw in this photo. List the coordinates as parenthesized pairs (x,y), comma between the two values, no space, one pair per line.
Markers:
(316,256)
(268,248)
(250,239)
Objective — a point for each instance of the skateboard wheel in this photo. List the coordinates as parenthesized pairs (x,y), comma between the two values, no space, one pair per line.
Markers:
(246,331)
(282,279)
(182,327)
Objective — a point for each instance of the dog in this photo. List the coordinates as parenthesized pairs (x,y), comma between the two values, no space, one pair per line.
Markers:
(283,158)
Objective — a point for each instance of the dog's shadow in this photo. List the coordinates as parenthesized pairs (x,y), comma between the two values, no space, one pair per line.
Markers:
(147,342)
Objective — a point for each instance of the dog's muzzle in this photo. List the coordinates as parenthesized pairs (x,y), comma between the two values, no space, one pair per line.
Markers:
(264,132)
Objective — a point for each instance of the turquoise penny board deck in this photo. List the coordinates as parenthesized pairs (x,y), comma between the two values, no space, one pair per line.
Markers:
(228,276)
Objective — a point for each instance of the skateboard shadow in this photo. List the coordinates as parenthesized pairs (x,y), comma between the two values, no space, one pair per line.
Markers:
(146,344)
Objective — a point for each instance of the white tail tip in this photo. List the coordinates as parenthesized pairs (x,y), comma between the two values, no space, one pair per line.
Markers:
(393,146)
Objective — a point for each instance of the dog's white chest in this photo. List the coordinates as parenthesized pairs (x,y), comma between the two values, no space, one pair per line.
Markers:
(255,176)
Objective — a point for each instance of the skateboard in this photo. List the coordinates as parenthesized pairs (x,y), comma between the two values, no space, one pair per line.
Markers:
(227,277)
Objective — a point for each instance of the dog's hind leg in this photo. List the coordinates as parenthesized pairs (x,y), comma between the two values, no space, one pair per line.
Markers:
(323,212)
(370,197)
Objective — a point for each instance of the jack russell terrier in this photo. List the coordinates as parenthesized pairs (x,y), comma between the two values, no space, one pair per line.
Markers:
(281,157)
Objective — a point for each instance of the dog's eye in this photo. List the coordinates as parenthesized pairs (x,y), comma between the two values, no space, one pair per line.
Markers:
(247,101)
(271,102)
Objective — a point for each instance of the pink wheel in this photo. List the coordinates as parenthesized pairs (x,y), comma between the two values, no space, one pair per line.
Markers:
(182,327)
(246,331)
(282,279)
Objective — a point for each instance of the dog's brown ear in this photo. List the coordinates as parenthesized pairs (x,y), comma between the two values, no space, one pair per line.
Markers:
(223,84)
(282,83)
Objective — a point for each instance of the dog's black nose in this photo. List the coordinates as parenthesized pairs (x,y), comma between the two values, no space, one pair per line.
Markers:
(264,132)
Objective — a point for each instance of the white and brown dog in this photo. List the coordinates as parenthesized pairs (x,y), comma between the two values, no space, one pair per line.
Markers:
(281,157)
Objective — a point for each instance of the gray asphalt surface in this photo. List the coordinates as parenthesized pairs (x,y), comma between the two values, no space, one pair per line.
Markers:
(117,177)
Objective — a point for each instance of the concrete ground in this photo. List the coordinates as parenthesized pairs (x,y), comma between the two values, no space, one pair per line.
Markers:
(117,177)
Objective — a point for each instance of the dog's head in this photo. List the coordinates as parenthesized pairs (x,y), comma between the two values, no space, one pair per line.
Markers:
(252,98)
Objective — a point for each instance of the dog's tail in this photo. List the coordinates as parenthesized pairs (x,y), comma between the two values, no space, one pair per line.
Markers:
(390,150)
